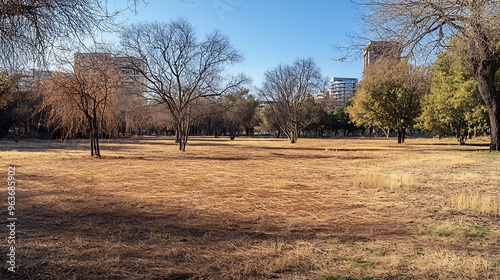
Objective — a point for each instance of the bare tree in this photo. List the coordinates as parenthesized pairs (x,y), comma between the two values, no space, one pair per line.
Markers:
(287,88)
(178,69)
(427,25)
(80,101)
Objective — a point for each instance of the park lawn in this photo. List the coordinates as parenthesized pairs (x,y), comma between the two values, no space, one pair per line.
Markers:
(255,208)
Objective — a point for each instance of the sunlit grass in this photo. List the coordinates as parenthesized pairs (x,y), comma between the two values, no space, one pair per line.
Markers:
(476,201)
(393,181)
(256,208)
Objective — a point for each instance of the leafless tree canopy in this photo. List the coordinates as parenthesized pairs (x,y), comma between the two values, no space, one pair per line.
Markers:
(427,25)
(179,69)
(30,28)
(287,88)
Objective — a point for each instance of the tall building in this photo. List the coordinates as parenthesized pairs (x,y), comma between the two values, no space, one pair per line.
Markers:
(342,90)
(127,66)
(376,49)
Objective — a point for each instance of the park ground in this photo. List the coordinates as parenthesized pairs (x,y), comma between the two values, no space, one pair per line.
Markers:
(254,208)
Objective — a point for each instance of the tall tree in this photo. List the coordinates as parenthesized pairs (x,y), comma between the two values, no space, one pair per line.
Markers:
(424,26)
(390,95)
(180,69)
(288,88)
(80,101)
(453,103)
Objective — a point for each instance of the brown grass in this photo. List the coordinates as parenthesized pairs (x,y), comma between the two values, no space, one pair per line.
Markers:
(255,209)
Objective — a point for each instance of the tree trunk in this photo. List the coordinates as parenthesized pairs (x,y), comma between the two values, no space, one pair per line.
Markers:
(293,134)
(183,142)
(91,144)
(182,135)
(386,132)
(494,114)
(94,140)
(96,143)
(401,135)
(485,77)
(177,135)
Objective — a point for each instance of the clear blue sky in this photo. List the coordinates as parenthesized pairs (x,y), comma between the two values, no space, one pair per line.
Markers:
(267,32)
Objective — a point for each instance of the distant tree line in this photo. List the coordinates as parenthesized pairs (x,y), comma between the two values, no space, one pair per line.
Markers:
(393,97)
(184,87)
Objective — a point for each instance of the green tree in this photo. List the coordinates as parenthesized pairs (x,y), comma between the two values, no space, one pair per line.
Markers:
(342,119)
(389,96)
(453,103)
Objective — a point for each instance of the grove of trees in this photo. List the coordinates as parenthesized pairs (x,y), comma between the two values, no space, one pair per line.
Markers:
(453,104)
(426,26)
(10,97)
(183,86)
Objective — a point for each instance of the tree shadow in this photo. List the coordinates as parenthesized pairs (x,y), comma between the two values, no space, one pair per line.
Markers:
(111,239)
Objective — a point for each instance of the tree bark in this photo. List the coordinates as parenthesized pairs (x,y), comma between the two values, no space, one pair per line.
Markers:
(97,147)
(91,124)
(494,114)
(91,144)
(293,135)
(401,135)
(182,135)
(94,140)
(183,142)
(486,87)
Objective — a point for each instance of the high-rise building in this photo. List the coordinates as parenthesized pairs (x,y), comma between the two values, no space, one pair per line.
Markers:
(127,66)
(342,90)
(376,49)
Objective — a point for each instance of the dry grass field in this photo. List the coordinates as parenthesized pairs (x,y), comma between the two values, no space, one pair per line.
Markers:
(254,208)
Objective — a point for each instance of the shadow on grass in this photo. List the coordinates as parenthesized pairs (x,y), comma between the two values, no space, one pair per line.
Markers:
(108,239)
